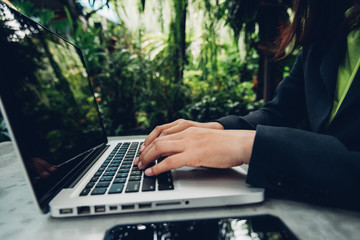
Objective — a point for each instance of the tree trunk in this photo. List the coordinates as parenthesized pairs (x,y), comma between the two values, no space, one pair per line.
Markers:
(180,38)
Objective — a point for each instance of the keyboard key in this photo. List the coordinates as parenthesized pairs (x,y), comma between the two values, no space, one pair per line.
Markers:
(133,187)
(135,168)
(165,181)
(106,178)
(109,173)
(165,178)
(119,180)
(94,179)
(125,166)
(90,185)
(134,178)
(114,165)
(166,186)
(116,188)
(122,175)
(85,192)
(148,184)
(103,184)
(98,191)
(110,169)
(128,162)
(104,164)
(136,173)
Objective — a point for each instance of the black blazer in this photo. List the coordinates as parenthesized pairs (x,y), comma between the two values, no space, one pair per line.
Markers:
(320,163)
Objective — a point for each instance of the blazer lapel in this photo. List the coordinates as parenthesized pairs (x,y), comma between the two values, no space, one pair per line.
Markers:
(330,64)
(351,96)
(321,102)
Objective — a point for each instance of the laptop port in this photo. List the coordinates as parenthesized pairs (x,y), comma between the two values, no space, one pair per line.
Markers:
(163,204)
(83,210)
(66,211)
(144,205)
(113,208)
(100,208)
(128,207)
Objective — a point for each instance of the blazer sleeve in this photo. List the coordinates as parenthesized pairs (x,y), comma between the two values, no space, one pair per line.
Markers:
(285,109)
(301,164)
(305,165)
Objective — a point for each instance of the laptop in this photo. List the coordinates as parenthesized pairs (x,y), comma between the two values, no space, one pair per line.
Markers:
(55,124)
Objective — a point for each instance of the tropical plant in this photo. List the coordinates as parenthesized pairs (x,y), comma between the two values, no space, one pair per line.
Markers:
(143,79)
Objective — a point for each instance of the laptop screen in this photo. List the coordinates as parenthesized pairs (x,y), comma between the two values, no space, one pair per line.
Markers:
(48,102)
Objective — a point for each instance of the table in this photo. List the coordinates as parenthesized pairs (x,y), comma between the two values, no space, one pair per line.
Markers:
(20,219)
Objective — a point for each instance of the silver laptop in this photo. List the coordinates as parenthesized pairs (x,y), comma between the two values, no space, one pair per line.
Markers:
(52,116)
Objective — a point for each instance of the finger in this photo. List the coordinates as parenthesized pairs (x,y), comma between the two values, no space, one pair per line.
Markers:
(161,146)
(158,130)
(154,134)
(169,163)
(159,139)
(158,149)
(144,151)
(175,129)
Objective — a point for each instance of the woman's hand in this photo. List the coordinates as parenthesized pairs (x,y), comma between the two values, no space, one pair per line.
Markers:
(197,146)
(175,127)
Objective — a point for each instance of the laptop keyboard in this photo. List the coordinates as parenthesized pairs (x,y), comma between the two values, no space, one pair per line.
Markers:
(118,174)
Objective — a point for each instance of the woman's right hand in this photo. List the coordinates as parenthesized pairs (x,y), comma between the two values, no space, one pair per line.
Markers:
(176,127)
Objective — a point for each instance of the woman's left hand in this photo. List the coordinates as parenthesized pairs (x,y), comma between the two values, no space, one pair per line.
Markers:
(198,147)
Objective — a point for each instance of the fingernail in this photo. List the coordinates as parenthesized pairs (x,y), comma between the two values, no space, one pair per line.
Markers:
(140,165)
(148,172)
(136,161)
(142,147)
(52,169)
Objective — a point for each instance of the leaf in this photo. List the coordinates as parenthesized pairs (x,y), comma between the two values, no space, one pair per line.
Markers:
(71,22)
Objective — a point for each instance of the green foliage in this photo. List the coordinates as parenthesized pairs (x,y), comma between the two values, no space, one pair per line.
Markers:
(232,94)
(43,16)
(240,14)
(142,80)
(237,100)
(165,94)
(116,72)
(163,97)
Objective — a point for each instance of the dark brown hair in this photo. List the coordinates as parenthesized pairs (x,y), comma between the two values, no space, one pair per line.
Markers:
(315,21)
